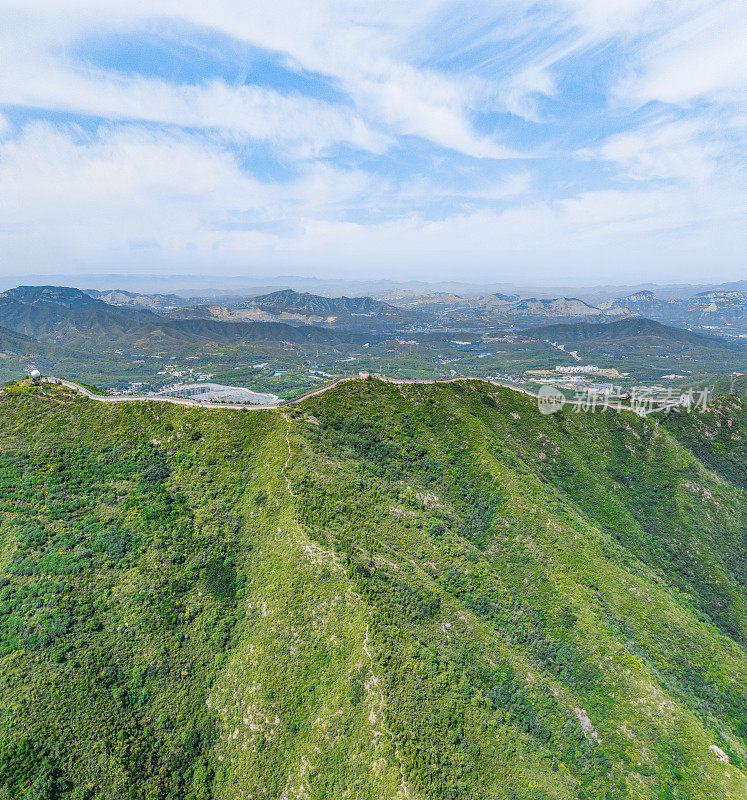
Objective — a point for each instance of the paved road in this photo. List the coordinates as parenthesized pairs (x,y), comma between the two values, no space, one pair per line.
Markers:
(185,401)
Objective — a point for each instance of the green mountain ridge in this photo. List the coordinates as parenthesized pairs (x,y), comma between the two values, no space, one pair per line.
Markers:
(630,328)
(420,591)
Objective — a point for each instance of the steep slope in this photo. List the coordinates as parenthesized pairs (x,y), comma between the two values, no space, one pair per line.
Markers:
(389,591)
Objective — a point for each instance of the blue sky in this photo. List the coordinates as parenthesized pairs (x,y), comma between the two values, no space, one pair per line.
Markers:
(564,141)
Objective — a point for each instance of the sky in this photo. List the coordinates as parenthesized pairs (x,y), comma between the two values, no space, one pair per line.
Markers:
(562,141)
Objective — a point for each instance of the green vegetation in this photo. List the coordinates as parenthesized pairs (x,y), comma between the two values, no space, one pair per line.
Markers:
(91,388)
(387,591)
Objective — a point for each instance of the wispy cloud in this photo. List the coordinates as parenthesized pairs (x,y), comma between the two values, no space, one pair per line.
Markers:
(534,135)
(699,57)
(683,150)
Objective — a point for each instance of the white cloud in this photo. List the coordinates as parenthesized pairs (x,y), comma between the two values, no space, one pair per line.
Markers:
(624,17)
(676,50)
(365,48)
(63,197)
(606,236)
(250,111)
(357,48)
(518,92)
(683,48)
(132,198)
(684,150)
(700,57)
(514,185)
(173,192)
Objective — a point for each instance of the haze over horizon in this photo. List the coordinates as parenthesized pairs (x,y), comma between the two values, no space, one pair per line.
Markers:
(232,286)
(561,142)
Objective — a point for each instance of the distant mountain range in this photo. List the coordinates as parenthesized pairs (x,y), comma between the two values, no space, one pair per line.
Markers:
(119,297)
(532,306)
(721,309)
(714,308)
(288,300)
(638,329)
(449,307)
(73,318)
(416,295)
(307,309)
(56,314)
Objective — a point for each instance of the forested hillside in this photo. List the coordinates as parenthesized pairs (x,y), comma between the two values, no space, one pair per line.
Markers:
(424,592)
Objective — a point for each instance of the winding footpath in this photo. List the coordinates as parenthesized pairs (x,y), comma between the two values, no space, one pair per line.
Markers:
(330,557)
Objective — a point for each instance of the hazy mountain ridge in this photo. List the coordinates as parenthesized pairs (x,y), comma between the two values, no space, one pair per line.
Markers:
(304,308)
(120,297)
(315,304)
(717,306)
(70,316)
(500,306)
(707,308)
